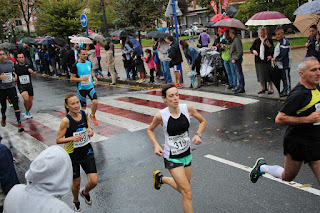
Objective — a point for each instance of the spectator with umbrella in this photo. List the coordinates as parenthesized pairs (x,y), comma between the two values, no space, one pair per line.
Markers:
(127,53)
(92,57)
(311,44)
(262,49)
(163,48)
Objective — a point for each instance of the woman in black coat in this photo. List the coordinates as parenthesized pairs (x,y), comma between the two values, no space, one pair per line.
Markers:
(262,48)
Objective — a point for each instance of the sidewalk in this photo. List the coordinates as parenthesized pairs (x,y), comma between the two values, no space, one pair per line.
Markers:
(252,87)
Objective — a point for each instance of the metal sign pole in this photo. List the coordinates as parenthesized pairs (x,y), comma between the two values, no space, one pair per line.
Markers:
(177,33)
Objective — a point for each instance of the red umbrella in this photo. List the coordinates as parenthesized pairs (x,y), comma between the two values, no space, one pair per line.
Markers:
(218,17)
(268,18)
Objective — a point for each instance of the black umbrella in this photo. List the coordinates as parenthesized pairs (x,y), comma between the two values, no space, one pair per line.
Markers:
(210,24)
(120,34)
(157,34)
(15,46)
(231,12)
(57,41)
(275,75)
(28,40)
(46,42)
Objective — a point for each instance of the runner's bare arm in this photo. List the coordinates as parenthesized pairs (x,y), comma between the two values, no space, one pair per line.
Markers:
(283,119)
(90,131)
(157,120)
(203,123)
(14,76)
(95,80)
(62,131)
(73,77)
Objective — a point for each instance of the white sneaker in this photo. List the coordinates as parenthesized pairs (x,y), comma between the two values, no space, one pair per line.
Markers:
(76,207)
(25,116)
(30,116)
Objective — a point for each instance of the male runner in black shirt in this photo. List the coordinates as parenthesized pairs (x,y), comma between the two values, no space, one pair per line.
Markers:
(301,112)
(23,72)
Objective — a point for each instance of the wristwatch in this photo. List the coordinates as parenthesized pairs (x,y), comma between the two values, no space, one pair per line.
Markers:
(199,134)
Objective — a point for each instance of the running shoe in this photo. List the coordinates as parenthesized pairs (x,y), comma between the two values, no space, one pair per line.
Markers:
(176,84)
(255,172)
(76,206)
(181,85)
(20,128)
(29,114)
(86,198)
(157,176)
(26,116)
(3,122)
(95,121)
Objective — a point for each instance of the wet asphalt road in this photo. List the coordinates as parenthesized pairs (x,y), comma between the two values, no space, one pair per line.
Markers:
(125,162)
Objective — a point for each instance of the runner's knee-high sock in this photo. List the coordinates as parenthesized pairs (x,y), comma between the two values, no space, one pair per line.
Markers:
(18,117)
(274,170)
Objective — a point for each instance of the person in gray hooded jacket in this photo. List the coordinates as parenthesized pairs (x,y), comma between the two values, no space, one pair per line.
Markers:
(48,179)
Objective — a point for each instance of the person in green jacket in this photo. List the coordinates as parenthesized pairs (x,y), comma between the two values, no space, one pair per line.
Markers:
(225,46)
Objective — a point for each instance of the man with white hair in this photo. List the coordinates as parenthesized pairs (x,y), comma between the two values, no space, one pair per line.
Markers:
(282,58)
(301,112)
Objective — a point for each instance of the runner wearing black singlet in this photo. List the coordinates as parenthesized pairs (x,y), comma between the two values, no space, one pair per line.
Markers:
(75,132)
(24,72)
(301,112)
(175,120)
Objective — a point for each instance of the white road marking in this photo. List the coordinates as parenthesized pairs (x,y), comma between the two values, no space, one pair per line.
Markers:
(129,106)
(198,106)
(248,169)
(53,122)
(223,97)
(23,142)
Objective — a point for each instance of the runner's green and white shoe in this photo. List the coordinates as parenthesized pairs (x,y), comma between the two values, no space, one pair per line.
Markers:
(255,172)
(157,182)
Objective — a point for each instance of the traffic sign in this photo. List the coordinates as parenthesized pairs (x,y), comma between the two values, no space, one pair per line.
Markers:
(169,10)
(83,20)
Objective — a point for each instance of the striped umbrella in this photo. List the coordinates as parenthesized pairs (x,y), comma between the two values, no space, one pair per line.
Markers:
(268,18)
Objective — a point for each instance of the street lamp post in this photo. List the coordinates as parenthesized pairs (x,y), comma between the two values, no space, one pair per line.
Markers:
(104,19)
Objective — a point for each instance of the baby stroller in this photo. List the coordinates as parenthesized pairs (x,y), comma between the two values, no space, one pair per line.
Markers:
(211,70)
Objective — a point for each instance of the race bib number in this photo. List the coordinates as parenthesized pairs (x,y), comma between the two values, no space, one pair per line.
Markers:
(179,143)
(9,77)
(88,82)
(85,138)
(24,79)
(317,106)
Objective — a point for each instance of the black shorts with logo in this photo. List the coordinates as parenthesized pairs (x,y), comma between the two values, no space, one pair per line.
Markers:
(301,151)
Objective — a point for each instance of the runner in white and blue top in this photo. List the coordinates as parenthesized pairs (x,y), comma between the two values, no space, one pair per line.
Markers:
(83,74)
(175,120)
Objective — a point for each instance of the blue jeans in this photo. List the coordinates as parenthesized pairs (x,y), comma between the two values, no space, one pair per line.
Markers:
(238,68)
(190,38)
(232,76)
(165,66)
(34,64)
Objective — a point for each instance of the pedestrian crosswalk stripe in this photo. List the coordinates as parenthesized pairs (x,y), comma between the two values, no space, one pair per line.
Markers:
(149,103)
(129,105)
(198,106)
(218,96)
(54,123)
(23,142)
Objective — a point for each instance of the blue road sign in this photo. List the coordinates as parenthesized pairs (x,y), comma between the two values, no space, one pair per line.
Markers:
(83,20)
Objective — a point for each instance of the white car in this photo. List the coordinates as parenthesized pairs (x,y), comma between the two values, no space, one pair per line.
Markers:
(197,30)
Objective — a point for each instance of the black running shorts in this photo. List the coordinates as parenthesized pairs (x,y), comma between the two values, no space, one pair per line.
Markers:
(299,151)
(26,88)
(89,166)
(82,94)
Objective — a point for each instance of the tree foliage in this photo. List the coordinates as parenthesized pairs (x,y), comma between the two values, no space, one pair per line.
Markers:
(27,7)
(9,10)
(95,16)
(249,8)
(59,18)
(141,14)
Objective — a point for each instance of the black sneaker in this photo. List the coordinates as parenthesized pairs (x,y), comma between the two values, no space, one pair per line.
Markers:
(157,179)
(255,172)
(86,198)
(76,206)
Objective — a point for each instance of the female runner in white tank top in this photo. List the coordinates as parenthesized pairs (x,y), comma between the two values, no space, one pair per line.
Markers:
(175,120)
